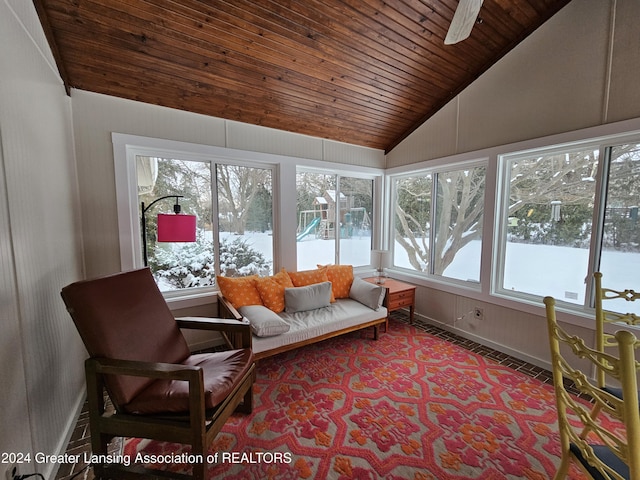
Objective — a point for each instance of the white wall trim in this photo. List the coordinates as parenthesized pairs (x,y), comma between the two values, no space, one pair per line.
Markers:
(51,469)
(486,342)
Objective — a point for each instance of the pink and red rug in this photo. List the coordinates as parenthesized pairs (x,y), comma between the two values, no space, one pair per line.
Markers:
(408,406)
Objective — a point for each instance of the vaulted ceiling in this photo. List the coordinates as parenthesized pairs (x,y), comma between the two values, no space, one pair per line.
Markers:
(366,72)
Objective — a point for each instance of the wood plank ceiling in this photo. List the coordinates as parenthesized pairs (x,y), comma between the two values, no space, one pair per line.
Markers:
(366,72)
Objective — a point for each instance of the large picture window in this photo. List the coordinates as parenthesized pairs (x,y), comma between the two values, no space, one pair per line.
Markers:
(233,207)
(567,212)
(547,222)
(438,219)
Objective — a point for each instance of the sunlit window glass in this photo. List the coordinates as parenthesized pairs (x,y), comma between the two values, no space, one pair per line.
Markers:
(412,220)
(245,220)
(458,224)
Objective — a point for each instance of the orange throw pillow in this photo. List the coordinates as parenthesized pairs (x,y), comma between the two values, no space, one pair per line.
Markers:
(240,291)
(341,278)
(271,293)
(271,290)
(283,278)
(308,277)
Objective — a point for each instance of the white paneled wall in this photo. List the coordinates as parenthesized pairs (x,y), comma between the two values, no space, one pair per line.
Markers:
(13,412)
(622,99)
(515,332)
(41,360)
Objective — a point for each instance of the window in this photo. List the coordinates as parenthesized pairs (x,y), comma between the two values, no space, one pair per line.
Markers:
(556,226)
(443,209)
(335,214)
(547,222)
(412,210)
(620,241)
(177,265)
(245,220)
(233,205)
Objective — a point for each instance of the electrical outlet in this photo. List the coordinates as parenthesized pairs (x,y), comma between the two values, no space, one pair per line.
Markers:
(478,313)
(12,472)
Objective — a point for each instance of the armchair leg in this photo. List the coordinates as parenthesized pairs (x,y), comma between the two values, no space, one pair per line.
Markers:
(563,469)
(200,468)
(99,445)
(247,402)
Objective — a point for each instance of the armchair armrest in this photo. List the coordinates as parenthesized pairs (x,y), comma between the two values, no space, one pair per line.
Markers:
(215,324)
(96,368)
(239,330)
(169,371)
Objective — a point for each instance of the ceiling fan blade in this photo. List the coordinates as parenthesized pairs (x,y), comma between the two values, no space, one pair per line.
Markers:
(463,21)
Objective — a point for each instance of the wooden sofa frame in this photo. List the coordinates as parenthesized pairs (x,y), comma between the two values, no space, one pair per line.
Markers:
(228,311)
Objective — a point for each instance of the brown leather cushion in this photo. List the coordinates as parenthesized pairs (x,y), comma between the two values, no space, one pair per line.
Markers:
(222,372)
(124,316)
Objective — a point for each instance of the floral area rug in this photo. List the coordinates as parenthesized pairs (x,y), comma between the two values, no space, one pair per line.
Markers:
(408,406)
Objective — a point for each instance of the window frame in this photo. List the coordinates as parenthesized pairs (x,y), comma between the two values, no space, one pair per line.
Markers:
(435,171)
(285,227)
(284,182)
(376,180)
(601,143)
(128,147)
(616,132)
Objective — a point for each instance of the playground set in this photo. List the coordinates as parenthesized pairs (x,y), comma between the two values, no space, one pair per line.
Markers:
(321,221)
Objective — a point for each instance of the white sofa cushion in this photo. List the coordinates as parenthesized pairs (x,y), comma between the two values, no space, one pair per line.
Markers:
(343,313)
(264,322)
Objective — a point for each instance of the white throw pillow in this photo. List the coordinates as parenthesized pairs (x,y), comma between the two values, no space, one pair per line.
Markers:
(264,322)
(367,293)
(310,297)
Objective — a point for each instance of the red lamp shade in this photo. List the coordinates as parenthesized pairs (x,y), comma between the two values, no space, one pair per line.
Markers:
(176,228)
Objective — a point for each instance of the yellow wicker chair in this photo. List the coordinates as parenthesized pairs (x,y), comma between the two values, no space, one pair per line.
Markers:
(603,455)
(606,340)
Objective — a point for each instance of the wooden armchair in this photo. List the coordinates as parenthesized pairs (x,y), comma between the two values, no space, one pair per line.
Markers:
(601,453)
(158,388)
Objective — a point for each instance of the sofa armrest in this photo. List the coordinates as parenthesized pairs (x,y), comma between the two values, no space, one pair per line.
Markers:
(226,309)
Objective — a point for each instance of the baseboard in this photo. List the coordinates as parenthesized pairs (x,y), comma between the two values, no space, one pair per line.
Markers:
(51,469)
(486,342)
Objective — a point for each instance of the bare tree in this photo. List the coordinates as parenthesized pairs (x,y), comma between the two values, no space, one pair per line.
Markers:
(237,189)
(567,178)
(458,217)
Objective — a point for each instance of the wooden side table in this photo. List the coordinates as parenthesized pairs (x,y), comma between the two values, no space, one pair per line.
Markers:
(399,295)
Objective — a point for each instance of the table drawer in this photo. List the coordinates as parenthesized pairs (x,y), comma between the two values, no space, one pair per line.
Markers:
(404,294)
(397,301)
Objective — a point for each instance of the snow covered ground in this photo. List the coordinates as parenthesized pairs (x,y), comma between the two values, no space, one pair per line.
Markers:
(535,269)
